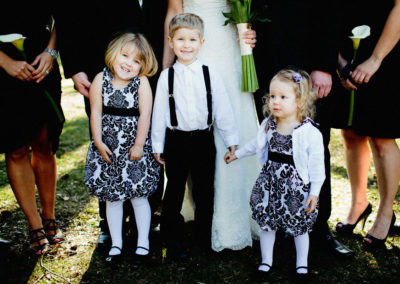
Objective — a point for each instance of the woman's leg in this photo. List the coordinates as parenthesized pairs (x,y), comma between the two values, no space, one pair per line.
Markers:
(142,210)
(114,213)
(357,162)
(302,243)
(45,169)
(386,155)
(22,181)
(267,241)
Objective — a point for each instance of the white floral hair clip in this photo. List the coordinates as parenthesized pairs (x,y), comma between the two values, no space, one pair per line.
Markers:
(297,77)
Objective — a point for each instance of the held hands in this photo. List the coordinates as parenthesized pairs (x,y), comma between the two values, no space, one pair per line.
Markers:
(20,70)
(158,158)
(230,156)
(135,153)
(44,63)
(311,203)
(26,72)
(104,151)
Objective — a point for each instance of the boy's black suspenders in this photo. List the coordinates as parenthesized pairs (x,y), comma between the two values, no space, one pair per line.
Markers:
(172,111)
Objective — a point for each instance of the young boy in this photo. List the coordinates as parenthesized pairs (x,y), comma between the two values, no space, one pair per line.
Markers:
(190,99)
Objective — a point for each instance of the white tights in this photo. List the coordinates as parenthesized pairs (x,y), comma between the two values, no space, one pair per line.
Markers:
(267,240)
(114,212)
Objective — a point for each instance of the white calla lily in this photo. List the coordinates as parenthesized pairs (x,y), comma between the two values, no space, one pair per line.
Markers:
(359,33)
(11,37)
(16,39)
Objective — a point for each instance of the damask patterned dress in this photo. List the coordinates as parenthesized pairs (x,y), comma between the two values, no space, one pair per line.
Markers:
(278,197)
(122,179)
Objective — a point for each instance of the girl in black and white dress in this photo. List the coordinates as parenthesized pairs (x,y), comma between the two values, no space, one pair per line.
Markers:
(290,147)
(120,164)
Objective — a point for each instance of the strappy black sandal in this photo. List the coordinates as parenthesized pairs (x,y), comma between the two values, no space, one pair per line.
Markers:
(113,259)
(36,236)
(142,258)
(50,226)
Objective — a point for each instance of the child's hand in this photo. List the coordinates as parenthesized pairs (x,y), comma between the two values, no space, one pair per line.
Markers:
(232,149)
(135,153)
(104,152)
(229,157)
(159,159)
(311,203)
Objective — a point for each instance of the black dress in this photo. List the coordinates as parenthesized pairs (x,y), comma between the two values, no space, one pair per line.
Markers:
(24,107)
(377,104)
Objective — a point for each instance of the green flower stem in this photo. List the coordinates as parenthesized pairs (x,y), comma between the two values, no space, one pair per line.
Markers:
(59,114)
(352,92)
(249,75)
(350,121)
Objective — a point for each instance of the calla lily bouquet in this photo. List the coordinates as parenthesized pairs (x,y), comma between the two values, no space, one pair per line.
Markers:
(242,16)
(359,33)
(18,41)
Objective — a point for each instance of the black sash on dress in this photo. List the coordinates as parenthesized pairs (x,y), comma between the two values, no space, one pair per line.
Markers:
(280,158)
(121,111)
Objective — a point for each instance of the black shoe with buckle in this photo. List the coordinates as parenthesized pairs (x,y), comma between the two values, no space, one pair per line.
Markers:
(142,258)
(113,259)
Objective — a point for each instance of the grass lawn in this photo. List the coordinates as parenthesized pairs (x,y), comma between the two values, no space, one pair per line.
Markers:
(78,260)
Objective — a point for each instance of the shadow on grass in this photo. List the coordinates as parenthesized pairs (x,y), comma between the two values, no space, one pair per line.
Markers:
(75,134)
(17,264)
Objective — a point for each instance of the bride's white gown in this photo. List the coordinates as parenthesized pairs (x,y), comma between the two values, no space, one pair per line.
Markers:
(232,226)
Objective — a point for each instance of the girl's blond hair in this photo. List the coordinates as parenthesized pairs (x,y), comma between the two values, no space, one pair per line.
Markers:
(143,48)
(302,84)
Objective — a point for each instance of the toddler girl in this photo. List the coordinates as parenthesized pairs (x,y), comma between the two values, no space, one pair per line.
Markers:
(120,164)
(290,147)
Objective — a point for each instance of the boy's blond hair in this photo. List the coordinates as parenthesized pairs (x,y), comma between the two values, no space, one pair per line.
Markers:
(143,48)
(305,96)
(186,20)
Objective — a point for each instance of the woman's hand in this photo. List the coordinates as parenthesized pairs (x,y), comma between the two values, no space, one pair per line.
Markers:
(44,62)
(20,70)
(135,153)
(104,152)
(364,71)
(250,37)
(311,204)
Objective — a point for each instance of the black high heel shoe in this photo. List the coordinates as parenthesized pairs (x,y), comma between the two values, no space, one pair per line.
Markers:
(347,229)
(371,242)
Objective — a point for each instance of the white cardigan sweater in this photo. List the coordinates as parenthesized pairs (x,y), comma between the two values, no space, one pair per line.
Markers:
(308,152)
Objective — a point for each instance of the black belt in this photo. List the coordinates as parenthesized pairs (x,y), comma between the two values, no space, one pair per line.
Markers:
(121,111)
(190,133)
(280,158)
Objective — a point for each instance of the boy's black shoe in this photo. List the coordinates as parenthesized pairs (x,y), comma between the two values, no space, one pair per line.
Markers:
(176,252)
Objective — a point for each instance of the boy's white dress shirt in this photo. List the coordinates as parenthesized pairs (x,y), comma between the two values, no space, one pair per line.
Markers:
(190,96)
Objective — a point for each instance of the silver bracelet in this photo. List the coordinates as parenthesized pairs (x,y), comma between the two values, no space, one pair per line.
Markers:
(53,52)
